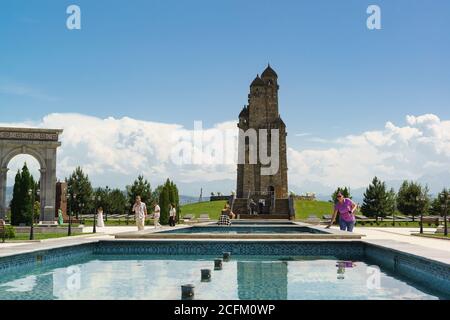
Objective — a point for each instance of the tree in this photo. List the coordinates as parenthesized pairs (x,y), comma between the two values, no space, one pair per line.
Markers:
(439,204)
(105,199)
(378,202)
(78,184)
(168,194)
(175,199)
(164,201)
(345,192)
(391,207)
(118,202)
(412,199)
(22,204)
(141,187)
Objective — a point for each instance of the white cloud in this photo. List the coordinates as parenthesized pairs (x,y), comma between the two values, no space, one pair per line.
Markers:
(114,151)
(420,147)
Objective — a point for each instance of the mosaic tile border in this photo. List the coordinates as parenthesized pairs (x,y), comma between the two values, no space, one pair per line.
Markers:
(36,258)
(305,248)
(423,271)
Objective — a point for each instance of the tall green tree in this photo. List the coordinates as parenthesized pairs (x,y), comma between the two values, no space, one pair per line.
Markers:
(164,201)
(22,208)
(378,202)
(175,199)
(79,189)
(413,199)
(440,203)
(104,194)
(391,208)
(168,194)
(118,202)
(140,187)
(345,192)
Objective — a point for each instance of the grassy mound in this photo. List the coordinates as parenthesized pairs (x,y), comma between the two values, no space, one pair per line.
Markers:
(303,208)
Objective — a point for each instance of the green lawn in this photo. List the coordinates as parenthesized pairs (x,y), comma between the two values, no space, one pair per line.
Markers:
(42,236)
(303,208)
(388,224)
(213,208)
(431,235)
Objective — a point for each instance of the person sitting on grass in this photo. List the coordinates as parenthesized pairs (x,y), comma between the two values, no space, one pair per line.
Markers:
(224,219)
(228,211)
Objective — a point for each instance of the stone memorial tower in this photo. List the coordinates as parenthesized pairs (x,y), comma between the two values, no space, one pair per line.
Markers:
(261,115)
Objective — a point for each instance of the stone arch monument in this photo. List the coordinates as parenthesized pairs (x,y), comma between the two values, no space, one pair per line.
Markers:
(42,145)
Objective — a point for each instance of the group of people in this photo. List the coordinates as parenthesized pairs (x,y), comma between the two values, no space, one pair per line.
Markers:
(140,213)
(345,207)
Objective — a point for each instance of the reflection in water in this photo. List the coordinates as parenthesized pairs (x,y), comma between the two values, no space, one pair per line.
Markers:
(262,280)
(160,278)
(33,287)
(341,265)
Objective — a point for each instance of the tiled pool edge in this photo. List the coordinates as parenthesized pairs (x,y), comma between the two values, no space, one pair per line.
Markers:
(419,269)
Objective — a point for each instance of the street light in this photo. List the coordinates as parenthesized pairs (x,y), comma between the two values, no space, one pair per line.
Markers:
(81,209)
(94,198)
(31,194)
(69,230)
(393,214)
(421,199)
(445,209)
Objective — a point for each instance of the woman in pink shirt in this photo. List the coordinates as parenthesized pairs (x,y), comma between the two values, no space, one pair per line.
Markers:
(346,208)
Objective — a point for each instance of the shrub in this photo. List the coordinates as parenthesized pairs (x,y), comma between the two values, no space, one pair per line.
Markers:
(10,232)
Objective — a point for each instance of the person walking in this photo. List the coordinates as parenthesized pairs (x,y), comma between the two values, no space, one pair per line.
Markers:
(140,212)
(100,222)
(346,208)
(156,215)
(172,215)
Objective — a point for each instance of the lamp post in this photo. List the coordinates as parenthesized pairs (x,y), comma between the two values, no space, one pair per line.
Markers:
(69,213)
(95,215)
(31,194)
(95,199)
(82,209)
(421,199)
(393,214)
(445,209)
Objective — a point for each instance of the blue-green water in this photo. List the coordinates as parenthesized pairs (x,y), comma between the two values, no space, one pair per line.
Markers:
(160,278)
(246,230)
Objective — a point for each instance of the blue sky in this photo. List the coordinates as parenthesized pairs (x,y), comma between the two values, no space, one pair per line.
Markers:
(180,61)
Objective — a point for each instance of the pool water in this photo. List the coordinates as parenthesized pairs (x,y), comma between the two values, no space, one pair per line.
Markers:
(261,222)
(255,277)
(245,229)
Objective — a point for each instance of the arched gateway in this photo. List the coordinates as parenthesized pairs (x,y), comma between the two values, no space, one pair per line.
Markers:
(42,145)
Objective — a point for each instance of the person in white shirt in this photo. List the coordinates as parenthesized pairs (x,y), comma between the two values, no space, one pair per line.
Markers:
(140,211)
(100,222)
(172,215)
(157,215)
